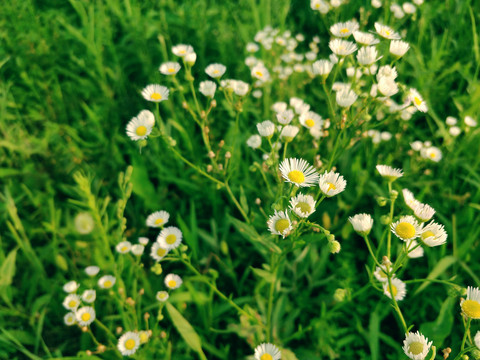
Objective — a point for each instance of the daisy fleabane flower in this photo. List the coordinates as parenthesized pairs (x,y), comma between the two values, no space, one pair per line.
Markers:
(69,319)
(267,351)
(208,88)
(128,343)
(107,281)
(173,281)
(386,32)
(89,296)
(471,306)
(398,47)
(414,250)
(260,72)
(416,346)
(399,289)
(434,234)
(170,237)
(477,340)
(409,199)
(71,302)
(155,93)
(365,39)
(161,296)
(85,315)
(123,247)
(342,47)
(322,67)
(182,50)
(71,286)
(215,70)
(169,68)
(367,55)
(92,270)
(158,252)
(381,273)
(346,97)
(362,223)
(423,212)
(417,100)
(279,223)
(139,128)
(285,117)
(407,228)
(266,128)
(389,173)
(331,183)
(344,29)
(298,172)
(157,219)
(303,205)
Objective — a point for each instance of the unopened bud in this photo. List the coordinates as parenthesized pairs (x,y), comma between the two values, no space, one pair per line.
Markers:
(84,328)
(119,330)
(163,334)
(393,194)
(211,154)
(381,201)
(203,114)
(101,348)
(334,247)
(121,291)
(88,352)
(339,295)
(206,129)
(221,143)
(258,201)
(130,301)
(141,292)
(213,103)
(146,316)
(385,219)
(185,105)
(331,237)
(228,155)
(386,261)
(209,168)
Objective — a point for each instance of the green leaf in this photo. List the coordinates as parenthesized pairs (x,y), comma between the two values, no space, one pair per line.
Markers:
(288,355)
(439,269)
(142,186)
(186,330)
(7,270)
(263,274)
(441,327)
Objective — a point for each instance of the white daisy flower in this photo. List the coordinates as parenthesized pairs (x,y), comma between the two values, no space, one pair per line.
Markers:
(331,183)
(386,32)
(320,5)
(409,8)
(376,4)
(433,234)
(71,302)
(423,212)
(303,205)
(257,93)
(433,153)
(285,117)
(387,86)
(409,199)
(138,129)
(451,121)
(71,286)
(155,93)
(298,172)
(252,47)
(279,106)
(310,120)
(455,131)
(399,48)
(128,343)
(158,252)
(279,223)
(254,141)
(215,70)
(170,237)
(173,281)
(240,88)
(182,50)
(289,132)
(345,98)
(267,351)
(143,240)
(146,116)
(123,247)
(69,319)
(266,128)
(208,88)
(85,315)
(364,38)
(407,228)
(157,219)
(367,55)
(169,68)
(417,100)
(381,274)
(162,296)
(344,29)
(387,71)
(362,223)
(413,250)
(471,306)
(260,72)
(107,281)
(342,47)
(84,223)
(190,58)
(416,145)
(416,346)
(138,249)
(477,340)
(89,296)
(389,173)
(399,289)
(322,67)
(92,270)
(470,121)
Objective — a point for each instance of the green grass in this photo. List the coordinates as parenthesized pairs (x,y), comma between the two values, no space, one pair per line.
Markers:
(71,74)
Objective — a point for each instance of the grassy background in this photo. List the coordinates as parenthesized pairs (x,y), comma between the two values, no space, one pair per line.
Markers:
(71,74)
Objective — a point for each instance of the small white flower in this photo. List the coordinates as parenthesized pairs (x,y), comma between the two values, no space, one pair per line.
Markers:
(92,270)
(158,252)
(303,205)
(409,199)
(208,88)
(367,55)
(279,223)
(162,296)
(285,117)
(433,153)
(417,100)
(414,250)
(365,39)
(433,234)
(190,58)
(266,128)
(311,120)
(470,121)
(320,5)
(387,71)
(407,228)
(69,319)
(342,47)
(362,223)
(240,88)
(409,8)
(143,240)
(477,340)
(389,173)
(279,106)
(451,121)
(416,145)
(71,286)
(399,289)
(345,98)
(298,172)
(289,132)
(215,70)
(155,93)
(106,281)
(376,4)
(85,315)
(257,93)
(89,296)
(169,68)
(254,141)
(182,50)
(455,131)
(344,29)
(416,346)
(331,183)
(322,67)
(386,32)
(173,281)
(128,343)
(260,72)
(123,247)
(170,237)
(138,129)
(157,219)
(71,302)
(387,86)
(381,273)
(84,223)
(398,47)
(252,47)
(138,249)
(423,212)
(267,351)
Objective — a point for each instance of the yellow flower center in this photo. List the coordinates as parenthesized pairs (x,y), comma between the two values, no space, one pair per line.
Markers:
(143,337)
(417,101)
(405,230)
(304,207)
(129,344)
(427,234)
(216,71)
(107,284)
(161,252)
(86,316)
(158,221)
(266,357)
(309,122)
(383,274)
(172,283)
(162,295)
(182,52)
(416,348)
(317,6)
(432,155)
(331,187)
(171,70)
(296,176)
(282,225)
(394,290)
(170,239)
(124,249)
(471,308)
(141,130)
(72,303)
(156,96)
(344,31)
(388,32)
(259,73)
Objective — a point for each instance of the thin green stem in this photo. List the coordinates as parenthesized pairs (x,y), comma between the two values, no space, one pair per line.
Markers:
(365,237)
(273,265)
(395,304)
(389,235)
(235,201)
(467,330)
